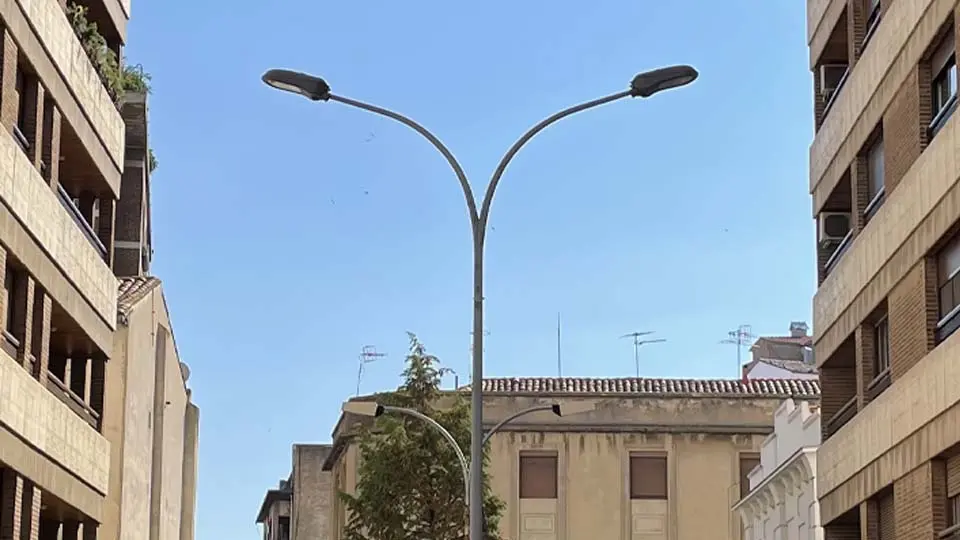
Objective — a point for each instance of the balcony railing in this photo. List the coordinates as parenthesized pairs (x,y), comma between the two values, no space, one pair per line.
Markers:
(838,253)
(72,400)
(67,201)
(842,416)
(950,533)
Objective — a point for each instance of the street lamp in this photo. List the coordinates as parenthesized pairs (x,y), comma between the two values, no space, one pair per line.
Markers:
(316,89)
(374,409)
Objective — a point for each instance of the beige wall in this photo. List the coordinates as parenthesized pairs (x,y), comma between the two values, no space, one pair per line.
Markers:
(312,492)
(702,437)
(593,491)
(159,426)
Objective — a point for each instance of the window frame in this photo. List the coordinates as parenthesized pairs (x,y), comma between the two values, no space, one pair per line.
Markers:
(881,346)
(874,159)
(523,491)
(948,279)
(635,492)
(943,68)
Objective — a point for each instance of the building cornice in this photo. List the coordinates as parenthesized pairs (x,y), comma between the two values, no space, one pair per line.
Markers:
(791,475)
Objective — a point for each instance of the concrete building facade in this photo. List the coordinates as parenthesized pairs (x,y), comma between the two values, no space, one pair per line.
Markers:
(656,460)
(782,499)
(72,141)
(883,176)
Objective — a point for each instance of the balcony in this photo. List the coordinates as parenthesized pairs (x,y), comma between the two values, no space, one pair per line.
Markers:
(832,70)
(45,422)
(47,218)
(846,413)
(56,33)
(836,228)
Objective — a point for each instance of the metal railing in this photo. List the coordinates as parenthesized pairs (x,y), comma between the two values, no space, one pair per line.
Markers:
(67,201)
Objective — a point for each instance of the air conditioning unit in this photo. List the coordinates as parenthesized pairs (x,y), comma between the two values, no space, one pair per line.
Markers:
(834,227)
(831,76)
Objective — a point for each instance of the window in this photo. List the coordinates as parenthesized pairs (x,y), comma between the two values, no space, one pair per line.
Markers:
(953,511)
(873,17)
(885,510)
(538,477)
(284,532)
(9,291)
(748,462)
(648,477)
(948,288)
(881,346)
(943,87)
(875,174)
(20,127)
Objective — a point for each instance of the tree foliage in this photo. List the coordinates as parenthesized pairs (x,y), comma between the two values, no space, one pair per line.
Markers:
(409,484)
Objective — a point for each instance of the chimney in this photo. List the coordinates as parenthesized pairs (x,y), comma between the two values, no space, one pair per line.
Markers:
(132,245)
(798,329)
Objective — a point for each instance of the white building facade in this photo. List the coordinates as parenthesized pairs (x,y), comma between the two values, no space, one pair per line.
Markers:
(782,501)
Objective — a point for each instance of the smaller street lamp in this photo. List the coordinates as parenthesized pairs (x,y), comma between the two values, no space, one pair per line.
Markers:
(373,409)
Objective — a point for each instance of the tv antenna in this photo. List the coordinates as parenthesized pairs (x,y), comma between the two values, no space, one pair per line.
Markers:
(368,354)
(637,342)
(741,337)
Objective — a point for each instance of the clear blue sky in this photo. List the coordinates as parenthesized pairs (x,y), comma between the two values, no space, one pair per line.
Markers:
(687,213)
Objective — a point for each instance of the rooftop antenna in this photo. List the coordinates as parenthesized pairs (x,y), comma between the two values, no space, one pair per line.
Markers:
(367,354)
(741,337)
(559,360)
(637,342)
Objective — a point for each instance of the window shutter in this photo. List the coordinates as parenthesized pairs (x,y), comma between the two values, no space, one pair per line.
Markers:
(648,477)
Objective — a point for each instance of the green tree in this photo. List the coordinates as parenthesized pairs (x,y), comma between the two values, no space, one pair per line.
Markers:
(409,484)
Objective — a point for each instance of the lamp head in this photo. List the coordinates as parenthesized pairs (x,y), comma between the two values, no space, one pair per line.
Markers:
(571,408)
(312,88)
(649,83)
(363,408)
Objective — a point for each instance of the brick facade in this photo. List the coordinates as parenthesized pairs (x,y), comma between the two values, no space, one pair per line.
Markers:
(904,505)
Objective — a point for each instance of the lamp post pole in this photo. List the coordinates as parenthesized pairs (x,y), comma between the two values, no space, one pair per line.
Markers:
(316,89)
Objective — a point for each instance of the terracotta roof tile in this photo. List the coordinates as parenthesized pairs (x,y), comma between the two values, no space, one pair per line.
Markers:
(633,386)
(132,290)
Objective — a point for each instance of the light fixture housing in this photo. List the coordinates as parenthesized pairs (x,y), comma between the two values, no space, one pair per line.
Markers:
(649,83)
(308,86)
(363,408)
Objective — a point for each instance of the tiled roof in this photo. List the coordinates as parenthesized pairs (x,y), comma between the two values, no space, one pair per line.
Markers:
(132,290)
(634,386)
(791,365)
(798,340)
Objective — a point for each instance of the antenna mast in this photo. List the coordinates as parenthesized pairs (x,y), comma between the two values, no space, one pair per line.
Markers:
(637,342)
(559,360)
(741,337)
(367,354)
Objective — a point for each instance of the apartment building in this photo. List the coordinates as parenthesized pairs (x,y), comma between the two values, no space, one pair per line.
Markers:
(656,459)
(883,176)
(71,462)
(779,498)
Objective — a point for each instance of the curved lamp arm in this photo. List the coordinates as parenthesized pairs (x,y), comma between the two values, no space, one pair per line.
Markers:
(514,416)
(454,164)
(492,186)
(464,466)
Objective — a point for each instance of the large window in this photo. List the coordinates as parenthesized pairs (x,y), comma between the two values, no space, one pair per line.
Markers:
(948,288)
(943,87)
(538,476)
(875,176)
(648,477)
